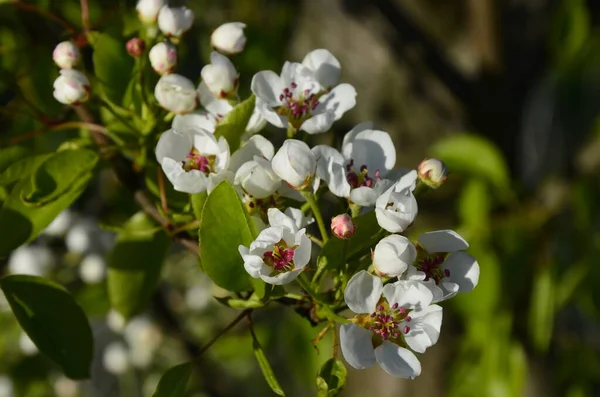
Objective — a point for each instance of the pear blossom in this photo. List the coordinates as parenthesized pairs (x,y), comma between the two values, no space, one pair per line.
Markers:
(148,10)
(176,93)
(393,255)
(432,172)
(163,58)
(71,87)
(66,55)
(193,159)
(441,260)
(280,252)
(356,173)
(175,21)
(342,226)
(296,98)
(390,319)
(196,119)
(220,76)
(295,163)
(325,67)
(396,208)
(229,38)
(135,47)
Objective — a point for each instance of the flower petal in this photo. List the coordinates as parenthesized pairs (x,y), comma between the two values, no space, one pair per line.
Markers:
(464,270)
(408,294)
(442,241)
(339,100)
(319,122)
(281,278)
(173,145)
(330,168)
(215,106)
(193,181)
(351,135)
(357,347)
(302,251)
(196,119)
(398,361)
(270,115)
(363,292)
(278,218)
(393,255)
(267,86)
(325,66)
(425,328)
(364,196)
(372,148)
(257,145)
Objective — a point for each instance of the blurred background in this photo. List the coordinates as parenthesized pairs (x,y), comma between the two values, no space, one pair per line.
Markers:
(506,92)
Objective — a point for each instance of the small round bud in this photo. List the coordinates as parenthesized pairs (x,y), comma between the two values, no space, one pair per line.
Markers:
(342,226)
(229,38)
(163,58)
(220,76)
(176,94)
(175,21)
(148,10)
(71,87)
(295,163)
(433,172)
(66,55)
(135,47)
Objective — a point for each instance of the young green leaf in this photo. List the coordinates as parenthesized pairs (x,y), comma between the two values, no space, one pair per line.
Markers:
(173,383)
(225,227)
(11,155)
(112,65)
(53,321)
(21,168)
(542,310)
(265,367)
(233,126)
(198,201)
(134,265)
(331,378)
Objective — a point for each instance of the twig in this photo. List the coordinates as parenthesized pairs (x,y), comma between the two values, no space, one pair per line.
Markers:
(58,127)
(245,313)
(161,188)
(49,15)
(85,16)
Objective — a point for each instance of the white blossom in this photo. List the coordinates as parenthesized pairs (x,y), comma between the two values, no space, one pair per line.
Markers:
(92,269)
(396,208)
(35,260)
(163,57)
(60,225)
(116,358)
(357,172)
(295,163)
(229,38)
(257,178)
(176,93)
(279,253)
(325,67)
(220,76)
(72,87)
(389,320)
(148,9)
(66,55)
(392,255)
(175,21)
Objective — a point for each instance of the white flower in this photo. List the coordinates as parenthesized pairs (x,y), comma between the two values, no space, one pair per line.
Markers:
(176,93)
(432,172)
(35,260)
(143,339)
(396,208)
(325,67)
(116,358)
(257,145)
(71,87)
(174,22)
(163,57)
(196,119)
(296,97)
(229,38)
(392,255)
(279,253)
(257,178)
(295,163)
(6,386)
(26,345)
(92,269)
(441,260)
(115,321)
(148,9)
(389,319)
(66,55)
(220,76)
(356,173)
(60,225)
(193,159)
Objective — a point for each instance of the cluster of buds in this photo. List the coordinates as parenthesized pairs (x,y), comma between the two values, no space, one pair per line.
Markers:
(72,87)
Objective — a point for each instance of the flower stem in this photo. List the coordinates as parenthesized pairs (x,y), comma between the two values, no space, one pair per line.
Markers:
(224,331)
(291,131)
(305,284)
(310,199)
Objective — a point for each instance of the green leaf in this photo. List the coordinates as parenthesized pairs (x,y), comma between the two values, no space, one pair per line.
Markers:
(265,367)
(366,236)
(474,207)
(112,66)
(26,222)
(134,265)
(233,126)
(253,303)
(457,151)
(198,201)
(224,228)
(53,321)
(331,378)
(21,169)
(173,383)
(569,29)
(11,155)
(541,317)
(57,175)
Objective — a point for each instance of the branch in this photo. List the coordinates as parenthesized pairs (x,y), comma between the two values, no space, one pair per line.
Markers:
(49,15)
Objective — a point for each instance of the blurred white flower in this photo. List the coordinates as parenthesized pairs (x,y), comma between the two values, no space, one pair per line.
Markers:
(72,87)
(229,38)
(198,297)
(115,321)
(176,93)
(175,21)
(143,338)
(65,387)
(34,260)
(26,345)
(92,269)
(66,55)
(148,9)
(116,358)
(6,386)
(163,57)
(60,225)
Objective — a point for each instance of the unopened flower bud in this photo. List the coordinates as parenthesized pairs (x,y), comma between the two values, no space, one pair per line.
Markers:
(433,172)
(342,226)
(229,38)
(71,87)
(295,163)
(163,58)
(135,47)
(176,93)
(148,10)
(220,76)
(174,22)
(66,55)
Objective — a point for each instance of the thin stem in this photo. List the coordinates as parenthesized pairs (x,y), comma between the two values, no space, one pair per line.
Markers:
(310,198)
(161,188)
(315,240)
(245,313)
(59,127)
(85,16)
(31,8)
(336,341)
(187,226)
(291,131)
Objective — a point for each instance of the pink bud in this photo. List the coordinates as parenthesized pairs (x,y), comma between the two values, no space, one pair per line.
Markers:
(135,47)
(342,226)
(433,172)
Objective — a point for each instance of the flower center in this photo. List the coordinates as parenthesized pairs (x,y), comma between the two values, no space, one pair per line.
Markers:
(297,106)
(361,178)
(387,322)
(196,161)
(281,259)
(431,264)
(260,207)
